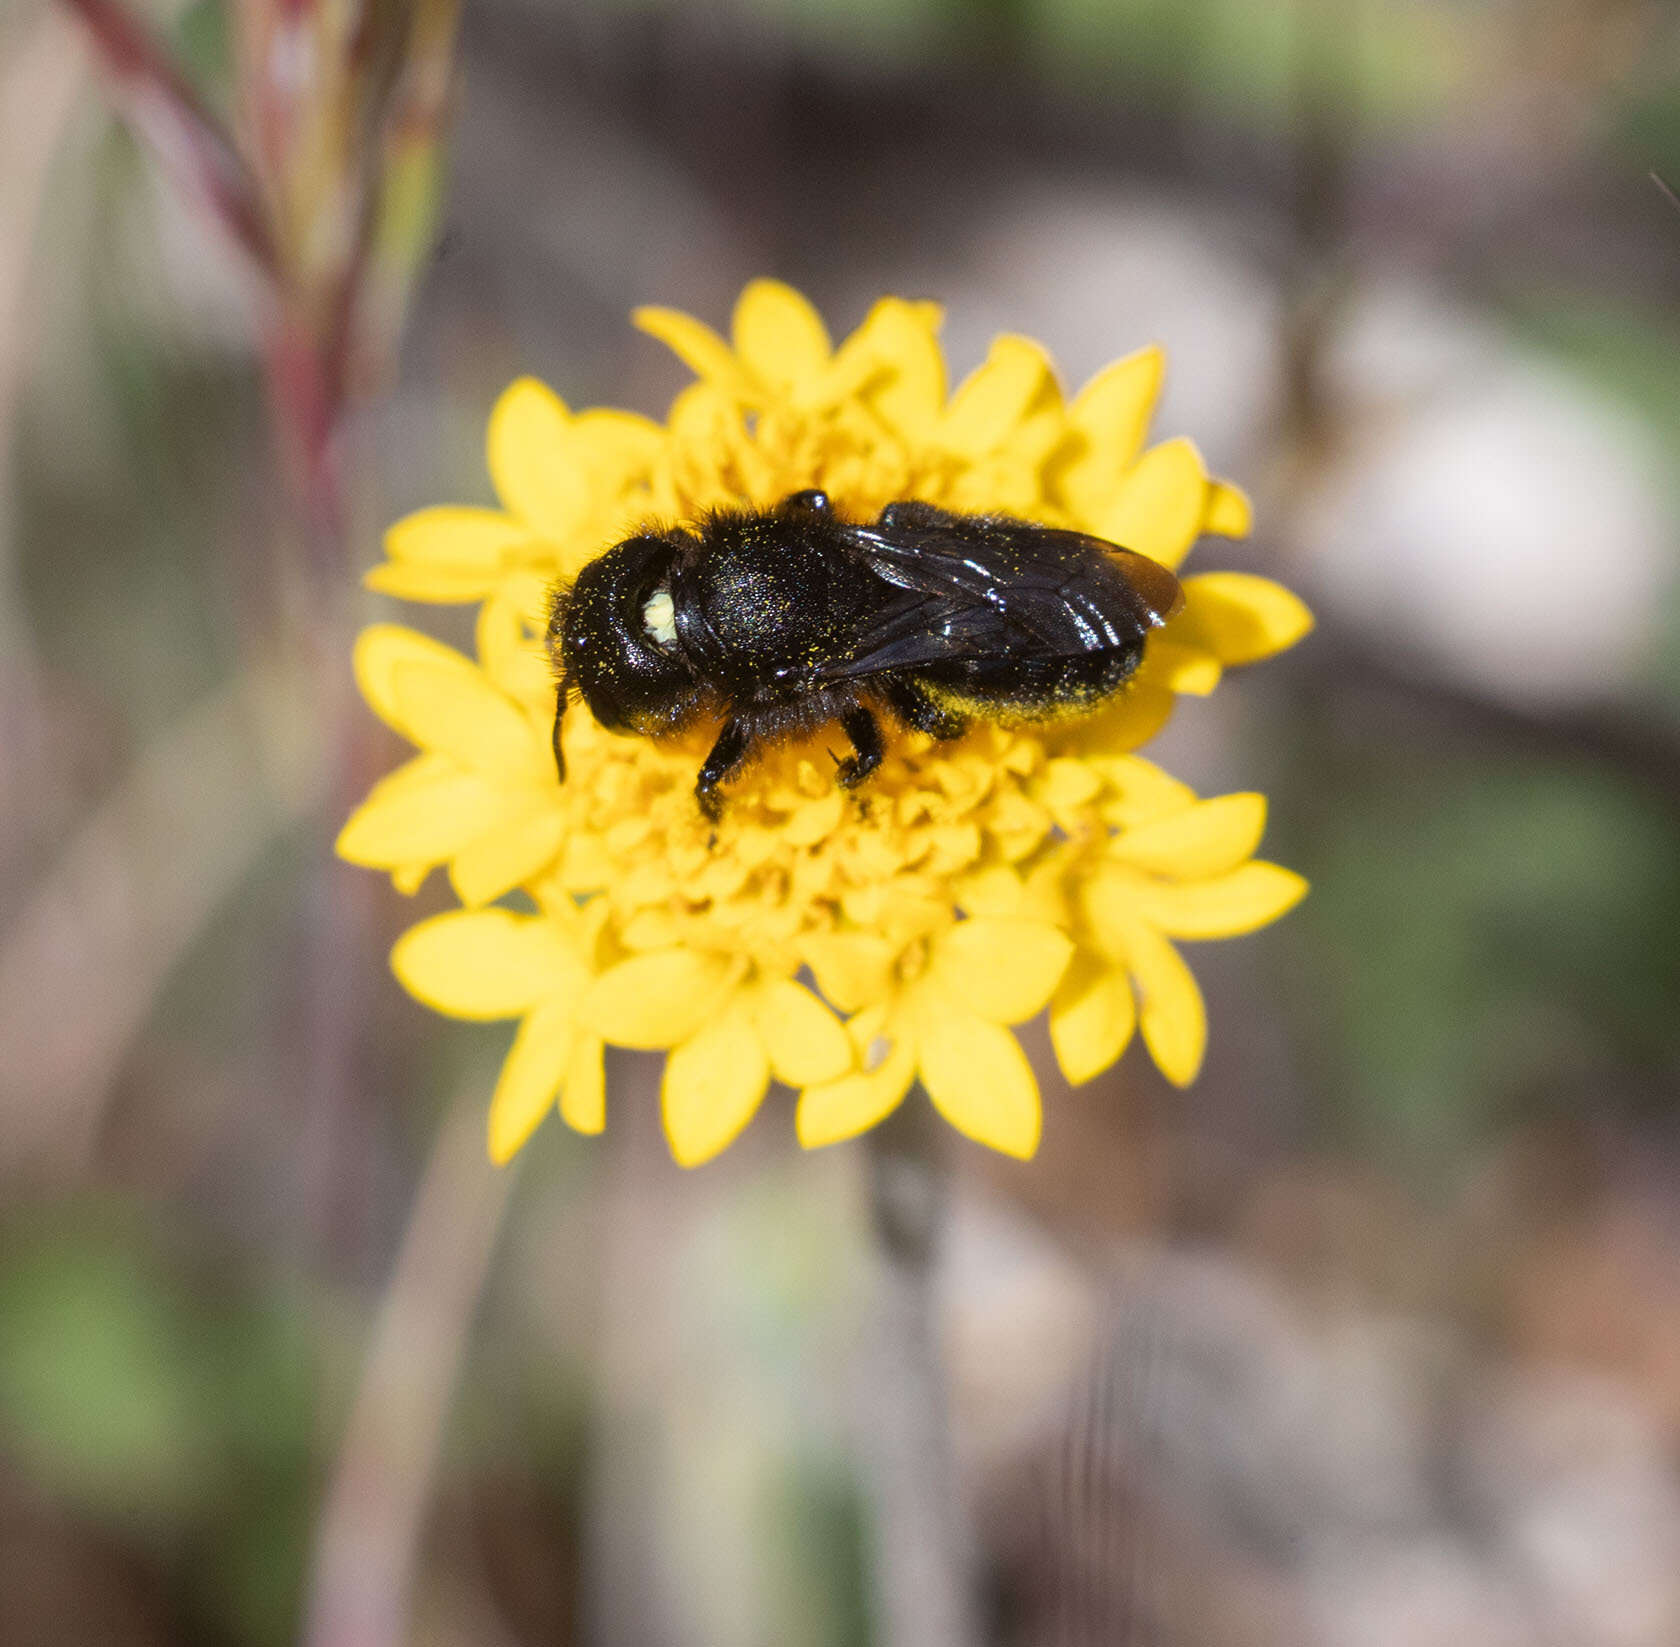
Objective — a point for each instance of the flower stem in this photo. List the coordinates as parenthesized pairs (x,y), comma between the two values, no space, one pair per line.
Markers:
(923,1556)
(368,1536)
(161,104)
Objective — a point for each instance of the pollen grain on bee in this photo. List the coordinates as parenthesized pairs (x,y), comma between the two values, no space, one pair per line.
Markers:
(660,617)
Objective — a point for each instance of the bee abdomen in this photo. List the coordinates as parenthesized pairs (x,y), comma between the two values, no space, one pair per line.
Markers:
(1034,687)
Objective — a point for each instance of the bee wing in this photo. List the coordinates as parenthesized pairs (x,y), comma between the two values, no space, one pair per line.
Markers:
(980,588)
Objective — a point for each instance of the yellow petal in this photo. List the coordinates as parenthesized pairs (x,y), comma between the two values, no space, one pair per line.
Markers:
(697,346)
(1240,618)
(993,400)
(853,969)
(868,356)
(422,813)
(903,338)
(531,1075)
(517,850)
(705,418)
(814,821)
(996,890)
(1001,889)
(1091,1019)
(1001,969)
(1108,899)
(616,445)
(454,538)
(532,463)
(1170,1009)
(805,1042)
(655,1000)
(1066,784)
(1108,421)
(485,963)
(1222,906)
(1229,513)
(779,337)
(1142,790)
(980,1081)
(834,1110)
(1158,509)
(583,1099)
(1127,722)
(443,585)
(1205,839)
(714,1082)
(1181,668)
(515,662)
(586,865)
(1017,824)
(382,649)
(464,717)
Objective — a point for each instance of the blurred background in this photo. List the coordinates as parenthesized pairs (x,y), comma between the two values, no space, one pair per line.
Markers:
(1369,1339)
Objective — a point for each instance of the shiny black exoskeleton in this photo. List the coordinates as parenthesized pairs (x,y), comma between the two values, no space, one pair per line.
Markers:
(782,620)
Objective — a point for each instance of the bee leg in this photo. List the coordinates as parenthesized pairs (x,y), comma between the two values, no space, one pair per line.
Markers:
(727,754)
(865,732)
(559,716)
(919,712)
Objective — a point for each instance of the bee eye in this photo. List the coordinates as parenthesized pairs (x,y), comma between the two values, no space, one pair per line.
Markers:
(659,618)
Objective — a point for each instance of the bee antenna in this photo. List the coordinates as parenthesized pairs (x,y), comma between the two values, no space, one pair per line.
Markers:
(561,694)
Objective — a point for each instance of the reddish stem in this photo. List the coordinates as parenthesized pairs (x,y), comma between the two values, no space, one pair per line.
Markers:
(305,391)
(165,108)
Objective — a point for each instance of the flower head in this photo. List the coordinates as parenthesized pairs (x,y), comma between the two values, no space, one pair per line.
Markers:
(847,944)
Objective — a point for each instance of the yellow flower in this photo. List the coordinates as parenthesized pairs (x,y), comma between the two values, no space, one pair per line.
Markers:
(493,963)
(480,795)
(937,1010)
(969,886)
(1176,868)
(729,1029)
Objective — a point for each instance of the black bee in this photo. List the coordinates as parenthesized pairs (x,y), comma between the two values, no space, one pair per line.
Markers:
(782,620)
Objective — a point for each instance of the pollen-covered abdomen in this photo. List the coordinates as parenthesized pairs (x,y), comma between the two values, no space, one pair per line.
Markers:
(1030,688)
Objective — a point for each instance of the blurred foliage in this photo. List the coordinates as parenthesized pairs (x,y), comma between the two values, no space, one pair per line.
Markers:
(1396,63)
(1490,936)
(1391,64)
(203,36)
(1630,351)
(168,1393)
(133,553)
(818,1553)
(1645,127)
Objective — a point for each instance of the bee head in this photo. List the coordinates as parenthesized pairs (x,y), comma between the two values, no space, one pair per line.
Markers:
(614,637)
